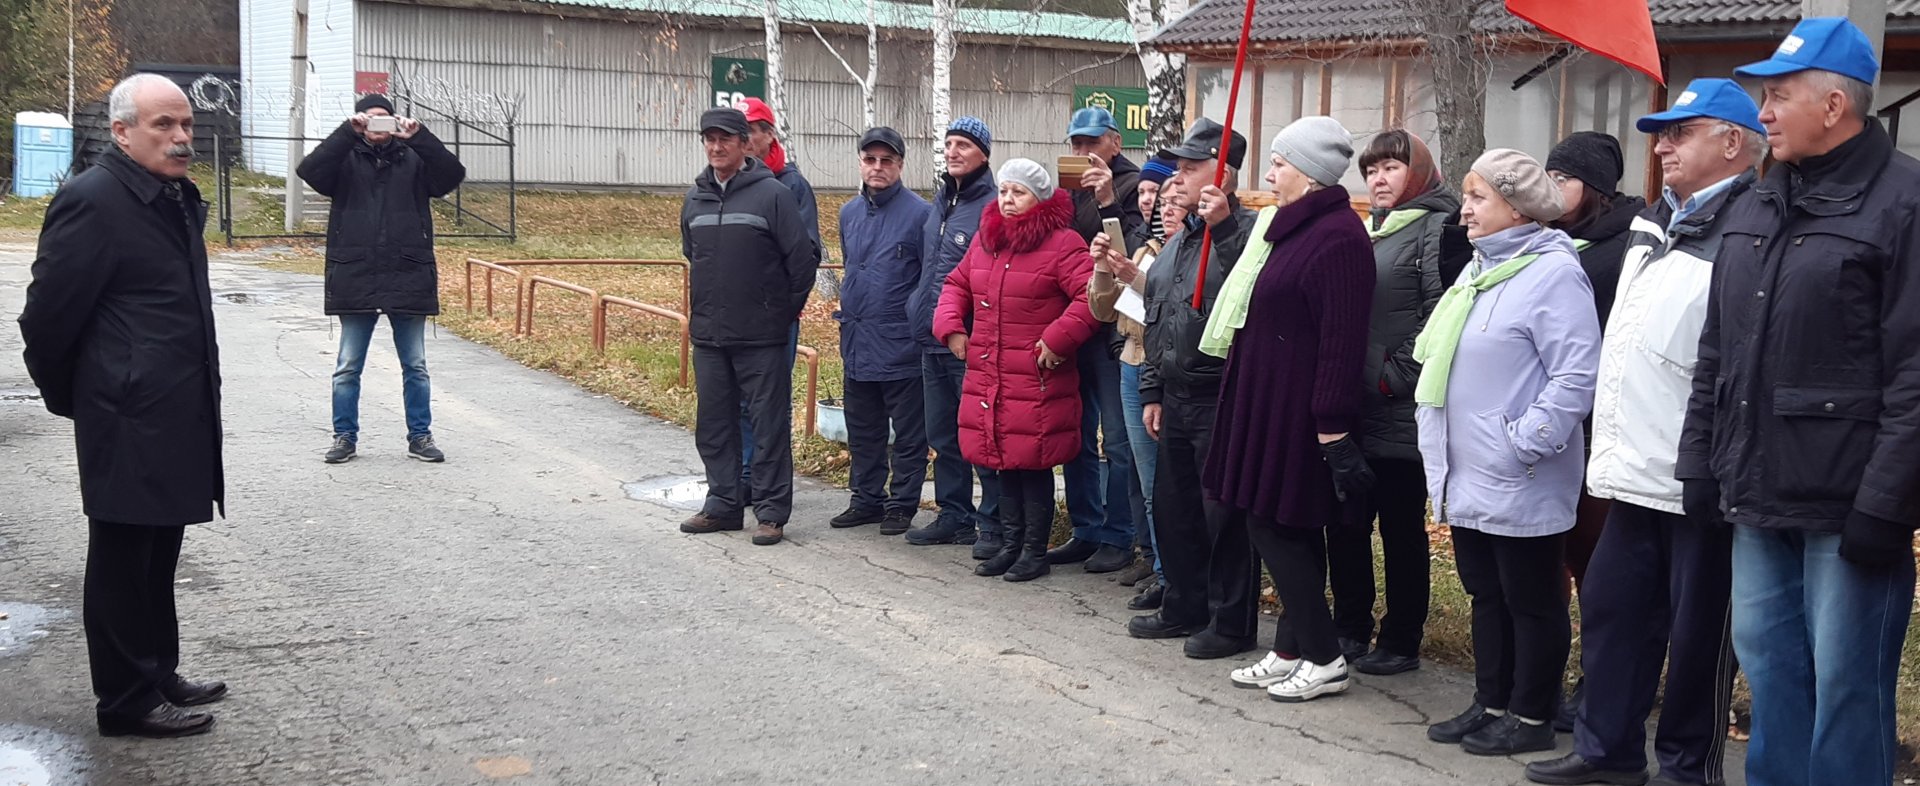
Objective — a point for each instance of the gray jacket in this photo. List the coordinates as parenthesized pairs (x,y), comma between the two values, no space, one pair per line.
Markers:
(1408,283)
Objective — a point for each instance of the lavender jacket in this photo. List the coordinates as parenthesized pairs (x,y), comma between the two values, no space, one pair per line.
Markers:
(1506,455)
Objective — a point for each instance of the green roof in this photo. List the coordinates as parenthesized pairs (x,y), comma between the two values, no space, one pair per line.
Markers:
(893,15)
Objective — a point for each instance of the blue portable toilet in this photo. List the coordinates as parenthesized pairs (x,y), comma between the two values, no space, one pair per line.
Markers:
(42,152)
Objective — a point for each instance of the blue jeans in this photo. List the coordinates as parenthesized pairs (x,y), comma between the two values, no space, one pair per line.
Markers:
(1819,639)
(746,421)
(1146,453)
(940,375)
(410,342)
(1099,496)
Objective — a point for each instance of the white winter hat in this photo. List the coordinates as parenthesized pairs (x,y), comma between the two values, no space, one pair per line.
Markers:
(1030,175)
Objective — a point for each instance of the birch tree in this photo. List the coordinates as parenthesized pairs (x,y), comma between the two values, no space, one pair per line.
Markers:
(872,77)
(941,100)
(776,82)
(1166,72)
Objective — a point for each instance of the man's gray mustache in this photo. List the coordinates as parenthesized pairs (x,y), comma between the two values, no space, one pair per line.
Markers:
(180,151)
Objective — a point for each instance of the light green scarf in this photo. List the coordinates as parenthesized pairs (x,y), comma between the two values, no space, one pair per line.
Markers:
(1396,221)
(1230,307)
(1435,347)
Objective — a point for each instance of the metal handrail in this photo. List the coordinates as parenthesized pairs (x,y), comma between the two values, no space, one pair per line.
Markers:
(685,272)
(600,338)
(533,283)
(491,268)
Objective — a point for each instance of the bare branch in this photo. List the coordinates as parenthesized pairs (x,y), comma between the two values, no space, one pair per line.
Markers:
(836,55)
(1088,67)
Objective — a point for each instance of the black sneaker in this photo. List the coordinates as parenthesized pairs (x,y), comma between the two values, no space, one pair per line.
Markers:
(896,522)
(1352,649)
(855,516)
(945,529)
(1508,736)
(1381,663)
(343,450)
(1455,729)
(987,544)
(423,449)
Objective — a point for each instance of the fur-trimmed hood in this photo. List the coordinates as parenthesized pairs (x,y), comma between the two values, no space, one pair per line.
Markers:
(1026,231)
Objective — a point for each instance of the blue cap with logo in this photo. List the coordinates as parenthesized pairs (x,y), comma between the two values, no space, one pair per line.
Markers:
(1091,121)
(1820,43)
(1721,99)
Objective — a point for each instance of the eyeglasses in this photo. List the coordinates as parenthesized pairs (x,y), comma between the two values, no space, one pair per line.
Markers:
(1678,132)
(879,160)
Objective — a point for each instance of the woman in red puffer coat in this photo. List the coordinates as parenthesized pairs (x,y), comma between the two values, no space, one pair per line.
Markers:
(1015,309)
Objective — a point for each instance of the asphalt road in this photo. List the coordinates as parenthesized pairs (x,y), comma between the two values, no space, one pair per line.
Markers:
(512,615)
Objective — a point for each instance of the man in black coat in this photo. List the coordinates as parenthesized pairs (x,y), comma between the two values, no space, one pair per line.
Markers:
(118,328)
(751,267)
(380,256)
(1803,428)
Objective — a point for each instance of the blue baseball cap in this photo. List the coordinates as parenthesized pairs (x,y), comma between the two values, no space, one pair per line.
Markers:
(1091,121)
(1821,43)
(1721,99)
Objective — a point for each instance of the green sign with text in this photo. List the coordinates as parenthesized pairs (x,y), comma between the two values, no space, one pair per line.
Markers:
(735,79)
(1128,105)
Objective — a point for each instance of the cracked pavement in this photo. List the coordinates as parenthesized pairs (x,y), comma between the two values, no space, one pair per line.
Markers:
(512,615)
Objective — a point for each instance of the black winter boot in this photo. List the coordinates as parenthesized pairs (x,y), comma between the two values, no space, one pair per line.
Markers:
(1033,558)
(1012,527)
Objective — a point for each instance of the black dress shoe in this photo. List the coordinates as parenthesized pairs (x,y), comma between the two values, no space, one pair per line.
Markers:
(1573,769)
(181,693)
(1074,550)
(1381,663)
(1508,736)
(164,721)
(1108,559)
(1155,626)
(1148,599)
(855,516)
(1352,649)
(1455,729)
(1210,645)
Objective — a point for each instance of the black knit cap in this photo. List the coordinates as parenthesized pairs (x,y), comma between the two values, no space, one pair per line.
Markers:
(1592,157)
(372,101)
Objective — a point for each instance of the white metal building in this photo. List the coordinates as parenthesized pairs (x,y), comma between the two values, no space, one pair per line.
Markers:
(606,92)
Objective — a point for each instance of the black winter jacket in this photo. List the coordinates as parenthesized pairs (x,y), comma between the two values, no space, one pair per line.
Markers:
(1408,283)
(1175,367)
(1806,401)
(802,191)
(118,328)
(1603,246)
(751,262)
(380,227)
(949,231)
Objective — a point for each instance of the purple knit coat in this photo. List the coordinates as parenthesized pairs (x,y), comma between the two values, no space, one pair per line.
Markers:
(1293,372)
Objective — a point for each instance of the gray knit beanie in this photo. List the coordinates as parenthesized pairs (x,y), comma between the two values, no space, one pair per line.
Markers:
(1030,175)
(1318,146)
(1523,182)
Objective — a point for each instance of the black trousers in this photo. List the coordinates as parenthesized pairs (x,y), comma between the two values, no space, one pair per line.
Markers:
(1400,501)
(870,408)
(1205,555)
(763,379)
(1296,558)
(133,635)
(1521,629)
(1657,594)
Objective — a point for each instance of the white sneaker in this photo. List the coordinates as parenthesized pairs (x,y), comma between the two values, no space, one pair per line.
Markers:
(1311,680)
(1269,670)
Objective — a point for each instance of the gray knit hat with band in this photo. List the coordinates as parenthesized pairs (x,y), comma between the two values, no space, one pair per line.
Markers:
(1318,146)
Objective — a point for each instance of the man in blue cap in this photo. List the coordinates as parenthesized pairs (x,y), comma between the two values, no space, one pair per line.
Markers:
(1804,425)
(1100,500)
(1656,590)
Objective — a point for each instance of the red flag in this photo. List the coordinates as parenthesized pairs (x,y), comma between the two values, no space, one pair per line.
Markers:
(1619,30)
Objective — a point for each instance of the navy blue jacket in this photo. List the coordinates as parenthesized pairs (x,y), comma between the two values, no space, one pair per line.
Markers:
(880,236)
(949,231)
(809,206)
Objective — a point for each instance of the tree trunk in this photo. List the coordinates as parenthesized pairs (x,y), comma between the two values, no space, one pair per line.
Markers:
(873,66)
(1459,64)
(1166,73)
(776,83)
(940,103)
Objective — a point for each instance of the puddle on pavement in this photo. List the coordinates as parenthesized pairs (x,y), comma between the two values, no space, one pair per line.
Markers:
(252,298)
(31,756)
(680,491)
(20,626)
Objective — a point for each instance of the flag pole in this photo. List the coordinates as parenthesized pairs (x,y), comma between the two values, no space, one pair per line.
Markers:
(1226,146)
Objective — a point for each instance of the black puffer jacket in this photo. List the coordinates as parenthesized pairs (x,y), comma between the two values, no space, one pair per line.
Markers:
(380,227)
(1409,281)
(1806,400)
(1175,367)
(751,263)
(1602,240)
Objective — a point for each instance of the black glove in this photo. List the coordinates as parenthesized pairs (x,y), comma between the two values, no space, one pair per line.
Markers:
(1701,500)
(1352,478)
(1873,542)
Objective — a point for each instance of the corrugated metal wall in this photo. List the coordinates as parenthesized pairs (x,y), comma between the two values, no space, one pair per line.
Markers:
(266,43)
(614,103)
